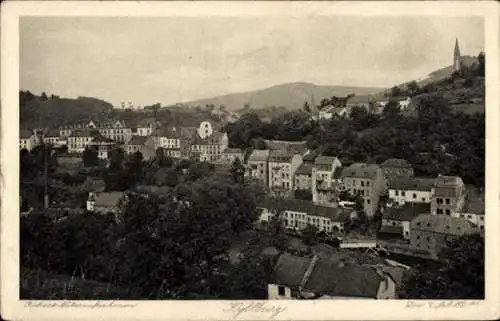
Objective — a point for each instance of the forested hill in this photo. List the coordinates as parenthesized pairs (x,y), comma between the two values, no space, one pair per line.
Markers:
(48,111)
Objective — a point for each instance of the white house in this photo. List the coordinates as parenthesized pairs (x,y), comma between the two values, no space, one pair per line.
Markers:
(411,190)
(26,140)
(282,168)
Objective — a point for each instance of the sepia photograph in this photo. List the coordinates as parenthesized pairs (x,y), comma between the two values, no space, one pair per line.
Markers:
(251,157)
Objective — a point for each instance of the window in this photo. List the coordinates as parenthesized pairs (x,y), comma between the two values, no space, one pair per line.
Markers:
(439,211)
(423,199)
(447,212)
(418,237)
(414,196)
(362,183)
(281,290)
(448,201)
(367,183)
(367,201)
(396,193)
(439,200)
(403,193)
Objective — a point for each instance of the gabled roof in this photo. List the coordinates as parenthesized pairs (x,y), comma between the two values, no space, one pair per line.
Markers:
(81,133)
(108,199)
(361,170)
(281,156)
(310,156)
(304,169)
(336,214)
(391,229)
(448,181)
(346,280)
(213,139)
(299,147)
(137,140)
(259,155)
(407,212)
(324,160)
(289,270)
(412,184)
(396,163)
(233,151)
(25,134)
(442,224)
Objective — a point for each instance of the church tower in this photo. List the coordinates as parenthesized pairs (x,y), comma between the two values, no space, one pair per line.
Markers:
(457,58)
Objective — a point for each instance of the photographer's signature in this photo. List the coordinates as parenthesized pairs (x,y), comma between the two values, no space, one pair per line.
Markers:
(440,304)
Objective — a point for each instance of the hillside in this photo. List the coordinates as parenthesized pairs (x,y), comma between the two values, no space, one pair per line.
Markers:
(290,95)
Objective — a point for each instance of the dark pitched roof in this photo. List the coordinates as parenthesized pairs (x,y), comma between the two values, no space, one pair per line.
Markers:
(281,156)
(304,169)
(311,156)
(81,133)
(396,163)
(406,212)
(361,170)
(289,270)
(259,155)
(137,140)
(412,184)
(336,214)
(447,181)
(24,134)
(391,229)
(349,280)
(442,224)
(324,160)
(233,151)
(299,147)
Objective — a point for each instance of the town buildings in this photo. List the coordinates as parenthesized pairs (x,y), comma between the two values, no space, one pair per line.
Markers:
(116,130)
(105,203)
(448,195)
(175,141)
(257,166)
(396,220)
(397,168)
(368,181)
(303,177)
(297,214)
(432,232)
(318,278)
(147,126)
(323,188)
(143,144)
(209,148)
(230,155)
(79,139)
(282,167)
(411,190)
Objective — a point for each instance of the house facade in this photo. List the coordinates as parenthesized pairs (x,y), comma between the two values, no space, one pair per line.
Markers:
(79,139)
(432,232)
(26,140)
(257,165)
(210,148)
(396,220)
(175,141)
(143,144)
(411,190)
(298,214)
(322,184)
(229,155)
(473,212)
(303,177)
(368,181)
(448,195)
(282,168)
(146,127)
(117,130)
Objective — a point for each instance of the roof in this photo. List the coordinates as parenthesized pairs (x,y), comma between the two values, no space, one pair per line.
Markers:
(148,122)
(295,146)
(233,151)
(81,133)
(349,280)
(289,270)
(324,160)
(338,172)
(52,132)
(442,224)
(396,163)
(391,229)
(310,156)
(304,169)
(336,214)
(361,170)
(445,192)
(259,155)
(447,181)
(137,140)
(407,212)
(24,133)
(213,139)
(280,156)
(412,184)
(178,132)
(108,199)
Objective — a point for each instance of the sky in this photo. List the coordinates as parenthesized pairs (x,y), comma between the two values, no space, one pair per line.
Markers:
(177,59)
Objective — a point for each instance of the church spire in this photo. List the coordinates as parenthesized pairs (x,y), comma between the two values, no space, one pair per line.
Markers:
(457,57)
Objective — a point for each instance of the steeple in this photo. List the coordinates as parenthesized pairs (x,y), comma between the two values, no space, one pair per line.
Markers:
(457,58)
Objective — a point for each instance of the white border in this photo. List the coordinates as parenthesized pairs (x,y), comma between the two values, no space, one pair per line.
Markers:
(13,309)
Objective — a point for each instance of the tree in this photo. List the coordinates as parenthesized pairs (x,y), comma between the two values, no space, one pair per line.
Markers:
(163,160)
(396,91)
(391,110)
(303,194)
(324,102)
(309,234)
(307,108)
(413,87)
(459,276)
(90,156)
(43,96)
(237,171)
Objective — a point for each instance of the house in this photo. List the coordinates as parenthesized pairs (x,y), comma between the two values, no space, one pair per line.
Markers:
(404,102)
(319,278)
(411,190)
(147,126)
(117,130)
(448,195)
(257,165)
(432,232)
(330,111)
(297,214)
(79,139)
(26,140)
(397,220)
(299,147)
(50,136)
(282,167)
(395,168)
(473,210)
(326,112)
(368,181)
(175,141)
(303,177)
(229,155)
(103,146)
(209,149)
(143,144)
(309,157)
(105,203)
(322,184)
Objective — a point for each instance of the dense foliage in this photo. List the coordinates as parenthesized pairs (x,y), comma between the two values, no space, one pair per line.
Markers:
(460,276)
